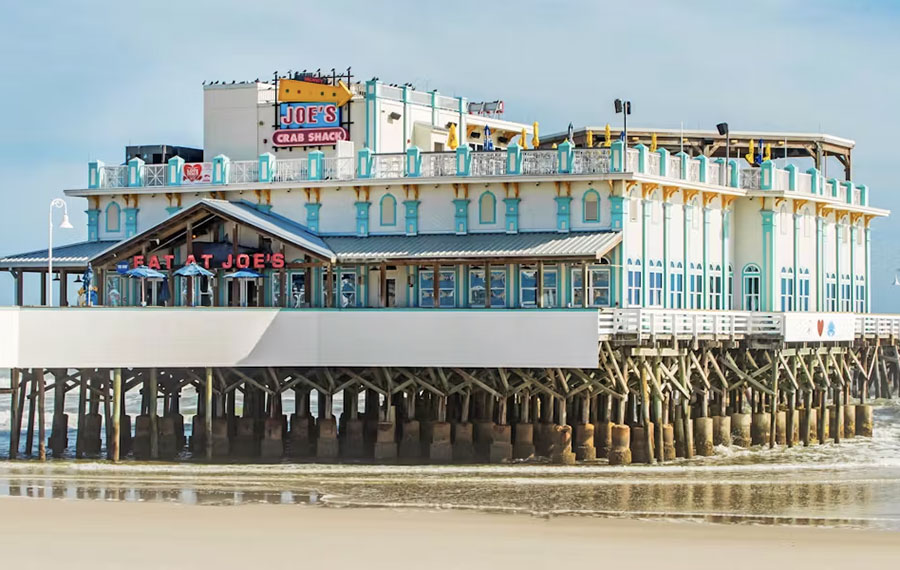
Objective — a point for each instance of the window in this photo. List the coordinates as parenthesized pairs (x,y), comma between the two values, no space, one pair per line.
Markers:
(388,210)
(846,291)
(635,282)
(787,289)
(487,209)
(114,291)
(296,289)
(715,287)
(830,292)
(751,285)
(860,302)
(598,286)
(803,290)
(655,284)
(528,287)
(344,287)
(591,206)
(113,218)
(676,286)
(696,282)
(477,287)
(446,288)
(730,289)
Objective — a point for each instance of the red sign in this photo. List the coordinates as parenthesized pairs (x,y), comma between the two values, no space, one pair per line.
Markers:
(309,137)
(240,261)
(196,173)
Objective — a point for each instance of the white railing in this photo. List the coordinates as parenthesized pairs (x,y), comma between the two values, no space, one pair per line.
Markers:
(693,170)
(714,174)
(842,192)
(388,92)
(244,172)
(857,196)
(447,103)
(782,179)
(633,160)
(590,161)
(388,165)
(540,162)
(653,164)
(684,323)
(673,169)
(750,178)
(293,170)
(154,174)
(804,183)
(419,97)
(878,325)
(436,164)
(114,177)
(338,168)
(488,163)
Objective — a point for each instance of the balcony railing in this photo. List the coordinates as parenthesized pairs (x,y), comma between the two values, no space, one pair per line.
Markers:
(463,163)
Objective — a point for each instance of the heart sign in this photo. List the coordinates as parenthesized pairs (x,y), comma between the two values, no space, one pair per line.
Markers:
(193,172)
(820,326)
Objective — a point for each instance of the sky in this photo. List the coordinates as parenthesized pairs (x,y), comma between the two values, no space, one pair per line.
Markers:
(81,80)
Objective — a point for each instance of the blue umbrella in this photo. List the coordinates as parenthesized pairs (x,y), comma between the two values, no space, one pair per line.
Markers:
(144,272)
(193,270)
(244,274)
(164,293)
(488,142)
(87,278)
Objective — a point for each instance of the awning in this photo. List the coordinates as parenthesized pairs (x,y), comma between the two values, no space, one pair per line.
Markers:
(536,245)
(71,256)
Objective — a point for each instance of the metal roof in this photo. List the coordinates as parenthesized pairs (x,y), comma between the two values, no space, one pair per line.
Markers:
(69,256)
(486,246)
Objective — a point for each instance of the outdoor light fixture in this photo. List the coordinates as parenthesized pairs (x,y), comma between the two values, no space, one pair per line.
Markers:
(64,224)
(723,131)
(623,107)
(393,115)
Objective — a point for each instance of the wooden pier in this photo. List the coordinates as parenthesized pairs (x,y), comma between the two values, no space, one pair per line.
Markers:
(657,392)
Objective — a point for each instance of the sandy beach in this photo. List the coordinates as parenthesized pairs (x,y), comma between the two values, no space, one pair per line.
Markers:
(42,533)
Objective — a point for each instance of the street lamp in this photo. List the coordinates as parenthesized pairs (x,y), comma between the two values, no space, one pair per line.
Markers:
(55,203)
(723,131)
(623,107)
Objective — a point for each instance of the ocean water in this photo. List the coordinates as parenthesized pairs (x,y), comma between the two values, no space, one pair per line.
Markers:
(855,484)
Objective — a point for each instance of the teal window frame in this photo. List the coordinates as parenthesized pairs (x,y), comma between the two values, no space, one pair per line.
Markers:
(787,289)
(676,285)
(382,211)
(584,201)
(695,279)
(751,287)
(551,287)
(446,288)
(654,284)
(714,293)
(493,209)
(118,218)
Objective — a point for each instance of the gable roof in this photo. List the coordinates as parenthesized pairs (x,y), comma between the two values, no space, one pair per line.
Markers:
(69,256)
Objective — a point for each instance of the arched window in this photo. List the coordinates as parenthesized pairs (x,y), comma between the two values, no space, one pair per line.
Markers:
(635,282)
(695,280)
(715,287)
(676,285)
(590,206)
(803,289)
(388,210)
(729,289)
(787,289)
(751,288)
(113,218)
(654,284)
(487,208)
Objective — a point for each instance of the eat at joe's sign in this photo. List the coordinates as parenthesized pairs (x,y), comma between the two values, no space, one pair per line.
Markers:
(240,261)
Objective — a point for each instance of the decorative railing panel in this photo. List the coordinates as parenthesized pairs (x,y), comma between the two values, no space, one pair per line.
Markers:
(388,165)
(244,172)
(540,162)
(488,164)
(293,170)
(435,164)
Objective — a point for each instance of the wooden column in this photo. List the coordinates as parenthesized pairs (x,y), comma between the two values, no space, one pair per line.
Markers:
(487,284)
(208,412)
(235,283)
(189,250)
(63,288)
(20,288)
(14,412)
(42,428)
(436,285)
(153,388)
(44,281)
(773,412)
(329,286)
(16,428)
(383,284)
(32,402)
(115,437)
(540,286)
(100,284)
(82,409)
(645,414)
(284,290)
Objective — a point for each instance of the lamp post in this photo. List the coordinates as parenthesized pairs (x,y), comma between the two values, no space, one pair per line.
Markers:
(723,130)
(623,107)
(55,203)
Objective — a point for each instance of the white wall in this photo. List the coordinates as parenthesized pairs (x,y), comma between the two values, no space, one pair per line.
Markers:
(143,337)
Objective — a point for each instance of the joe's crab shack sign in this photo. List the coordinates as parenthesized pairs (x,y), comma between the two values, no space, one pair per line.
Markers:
(229,262)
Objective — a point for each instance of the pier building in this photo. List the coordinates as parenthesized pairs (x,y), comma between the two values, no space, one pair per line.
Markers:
(465,291)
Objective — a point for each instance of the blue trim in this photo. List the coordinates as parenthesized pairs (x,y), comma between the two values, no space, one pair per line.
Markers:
(589,192)
(563,213)
(493,219)
(412,217)
(393,210)
(512,215)
(312,216)
(131,223)
(93,224)
(461,216)
(118,227)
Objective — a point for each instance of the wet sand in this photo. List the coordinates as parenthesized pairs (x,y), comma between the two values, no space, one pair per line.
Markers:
(42,533)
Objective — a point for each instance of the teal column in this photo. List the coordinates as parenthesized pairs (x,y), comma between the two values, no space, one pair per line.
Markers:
(768,260)
(667,223)
(837,260)
(820,263)
(619,213)
(796,262)
(312,218)
(868,245)
(172,209)
(405,111)
(705,283)
(563,213)
(372,115)
(362,218)
(645,220)
(131,222)
(461,216)
(853,233)
(93,224)
(512,215)
(726,246)
(411,208)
